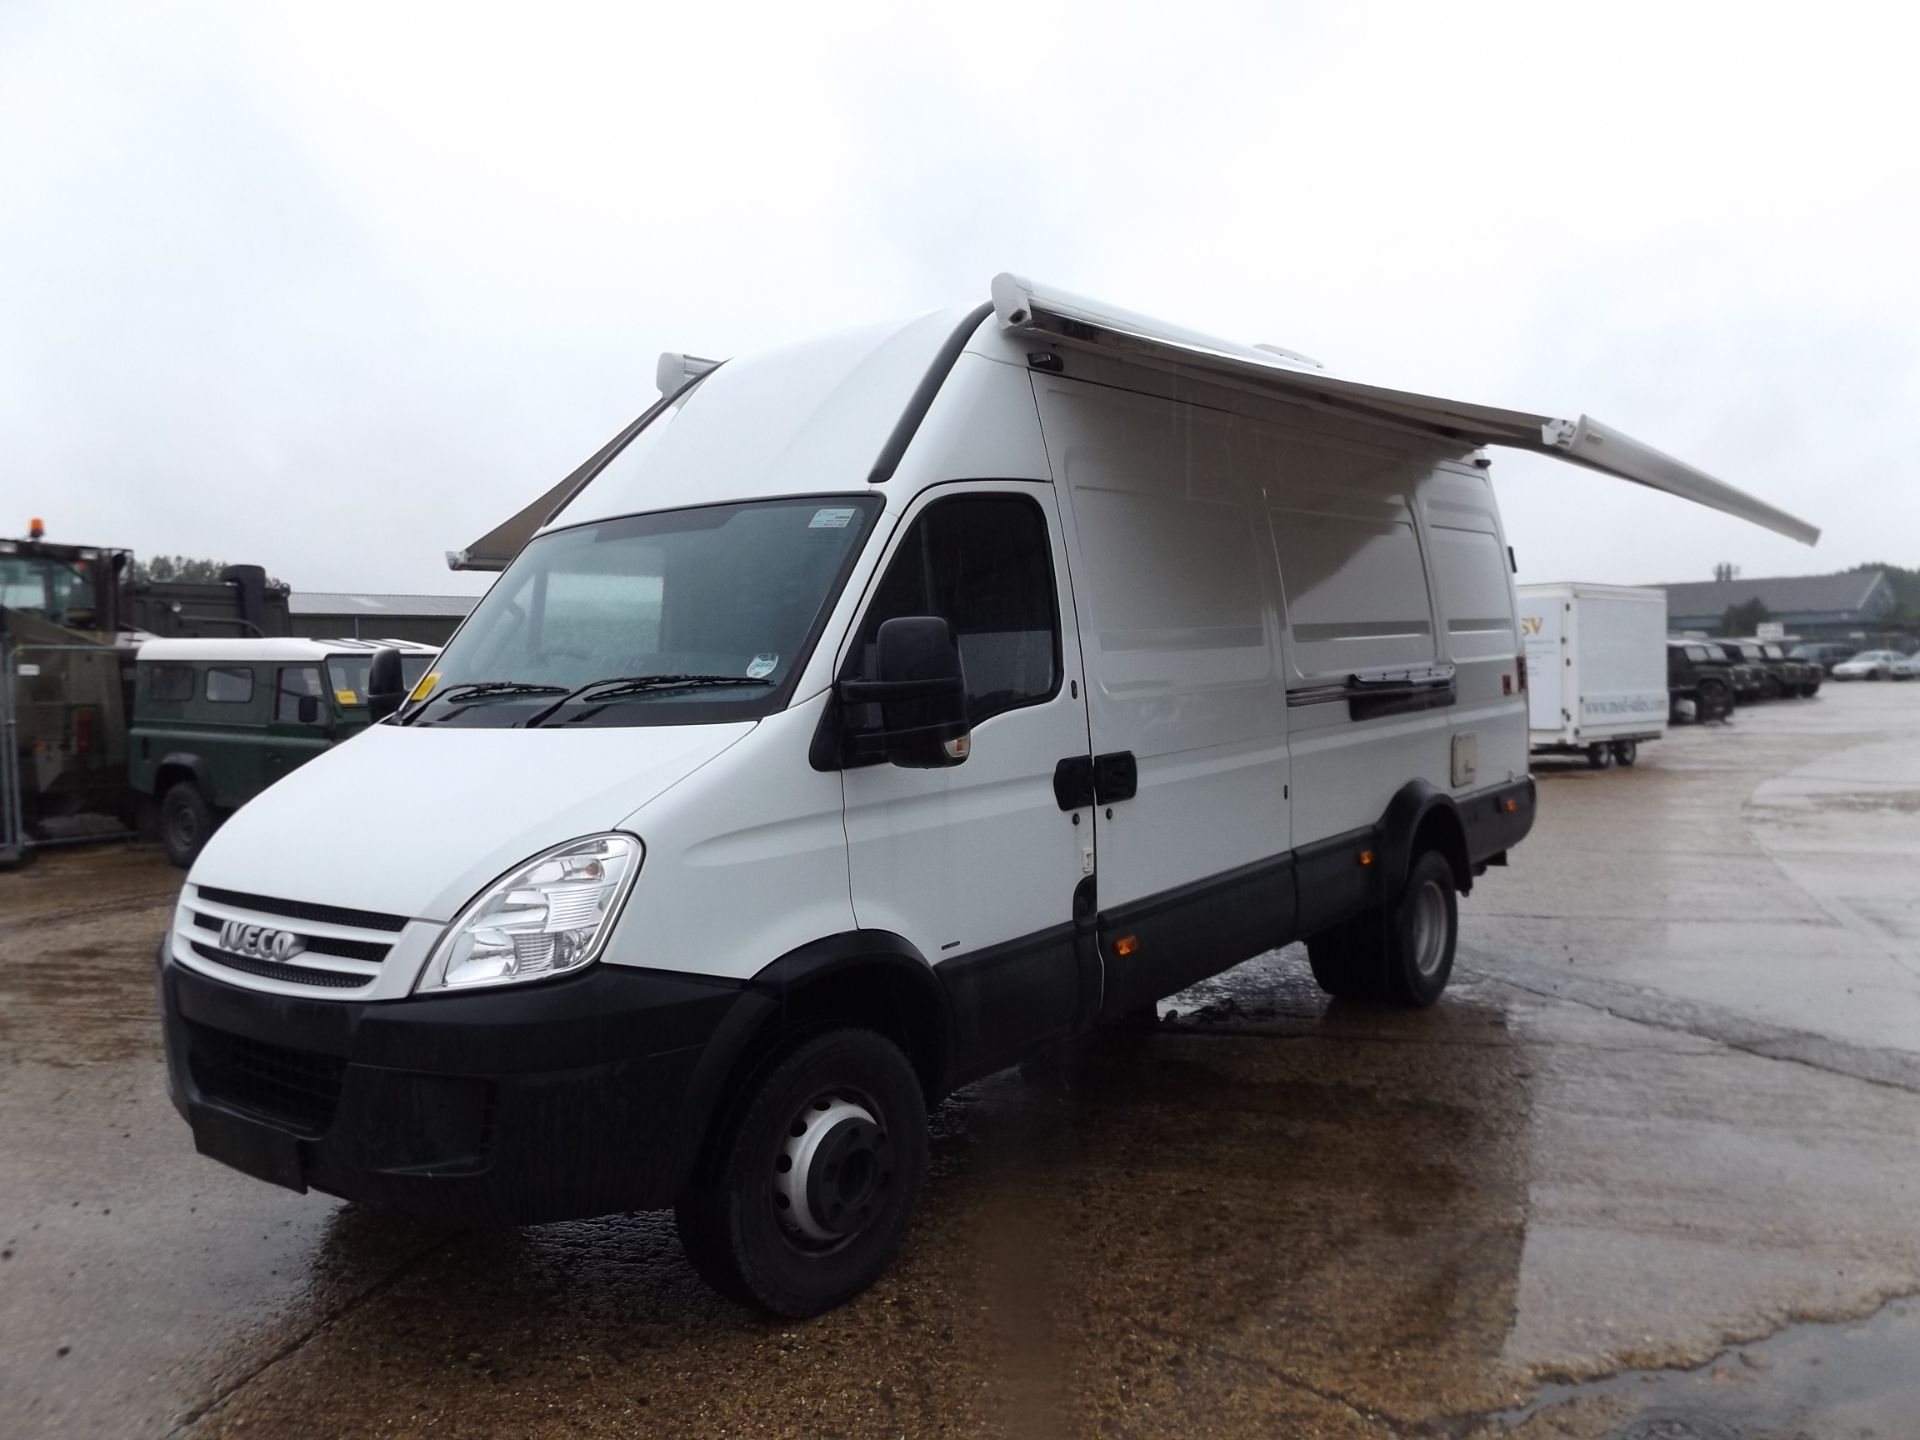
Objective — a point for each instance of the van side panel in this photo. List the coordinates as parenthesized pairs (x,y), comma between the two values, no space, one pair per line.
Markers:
(1180,636)
(1353,571)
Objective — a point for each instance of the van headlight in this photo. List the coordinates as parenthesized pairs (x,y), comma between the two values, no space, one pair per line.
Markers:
(549,917)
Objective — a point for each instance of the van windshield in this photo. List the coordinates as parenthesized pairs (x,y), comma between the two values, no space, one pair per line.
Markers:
(705,614)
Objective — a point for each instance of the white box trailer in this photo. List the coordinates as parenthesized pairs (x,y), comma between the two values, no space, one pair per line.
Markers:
(1596,669)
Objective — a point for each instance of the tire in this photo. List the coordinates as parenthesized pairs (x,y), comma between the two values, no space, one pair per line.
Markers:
(1771,688)
(776,1223)
(1600,757)
(1626,751)
(1402,952)
(1343,964)
(186,822)
(1716,700)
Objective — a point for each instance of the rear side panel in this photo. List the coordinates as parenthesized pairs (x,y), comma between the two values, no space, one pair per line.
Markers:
(1478,621)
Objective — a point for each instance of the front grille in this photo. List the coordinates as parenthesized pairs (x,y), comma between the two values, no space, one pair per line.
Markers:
(294,1088)
(303,910)
(317,944)
(281,970)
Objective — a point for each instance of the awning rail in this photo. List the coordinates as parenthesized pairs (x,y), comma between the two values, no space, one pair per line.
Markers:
(1073,320)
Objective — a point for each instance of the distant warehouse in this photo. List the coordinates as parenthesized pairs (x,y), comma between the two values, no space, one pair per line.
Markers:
(429,619)
(1844,607)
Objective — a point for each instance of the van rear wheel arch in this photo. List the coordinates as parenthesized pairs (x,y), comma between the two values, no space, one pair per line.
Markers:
(1421,818)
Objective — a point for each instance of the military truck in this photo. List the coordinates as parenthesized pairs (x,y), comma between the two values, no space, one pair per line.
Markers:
(70,617)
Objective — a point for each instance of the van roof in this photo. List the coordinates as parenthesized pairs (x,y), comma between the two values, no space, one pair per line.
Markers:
(290,648)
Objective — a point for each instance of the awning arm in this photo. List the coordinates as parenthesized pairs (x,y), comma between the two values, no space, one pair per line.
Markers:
(495,549)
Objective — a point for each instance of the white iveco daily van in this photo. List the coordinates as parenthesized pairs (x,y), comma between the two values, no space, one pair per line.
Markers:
(865,717)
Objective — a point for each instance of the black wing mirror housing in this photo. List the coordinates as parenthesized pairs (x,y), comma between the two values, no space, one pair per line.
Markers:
(915,713)
(386,687)
(308,710)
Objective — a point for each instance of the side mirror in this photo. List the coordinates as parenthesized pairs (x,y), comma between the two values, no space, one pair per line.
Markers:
(386,687)
(920,697)
(307,710)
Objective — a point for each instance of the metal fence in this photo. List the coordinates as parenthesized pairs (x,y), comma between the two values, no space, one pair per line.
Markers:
(16,844)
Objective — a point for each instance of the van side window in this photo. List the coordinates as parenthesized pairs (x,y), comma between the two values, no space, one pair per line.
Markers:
(230,684)
(981,562)
(295,683)
(1356,589)
(170,684)
(1470,572)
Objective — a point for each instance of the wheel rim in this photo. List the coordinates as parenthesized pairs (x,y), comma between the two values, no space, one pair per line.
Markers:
(1429,928)
(185,828)
(832,1171)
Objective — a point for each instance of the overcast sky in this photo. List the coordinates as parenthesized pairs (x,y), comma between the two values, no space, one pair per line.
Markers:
(335,287)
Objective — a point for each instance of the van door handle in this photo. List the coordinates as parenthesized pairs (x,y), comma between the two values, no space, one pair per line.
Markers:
(1073,782)
(1116,776)
(1103,780)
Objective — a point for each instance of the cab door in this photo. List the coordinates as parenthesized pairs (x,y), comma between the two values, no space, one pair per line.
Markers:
(978,865)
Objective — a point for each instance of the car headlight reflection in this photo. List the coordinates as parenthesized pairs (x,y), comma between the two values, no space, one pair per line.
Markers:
(548,917)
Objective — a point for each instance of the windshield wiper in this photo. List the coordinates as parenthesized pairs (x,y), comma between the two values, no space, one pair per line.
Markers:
(473,690)
(639,685)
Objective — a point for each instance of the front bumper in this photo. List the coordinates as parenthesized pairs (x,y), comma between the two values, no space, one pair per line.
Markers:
(549,1101)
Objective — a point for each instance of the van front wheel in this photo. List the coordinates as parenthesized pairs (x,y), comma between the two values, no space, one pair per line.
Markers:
(814,1183)
(1401,952)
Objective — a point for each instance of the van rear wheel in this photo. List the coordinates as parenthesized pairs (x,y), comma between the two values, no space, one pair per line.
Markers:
(815,1179)
(186,820)
(1600,757)
(1401,952)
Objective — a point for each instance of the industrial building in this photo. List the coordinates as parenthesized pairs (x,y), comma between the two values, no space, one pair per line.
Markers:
(429,619)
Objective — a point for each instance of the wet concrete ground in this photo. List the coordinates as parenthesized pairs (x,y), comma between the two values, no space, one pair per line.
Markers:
(1650,1170)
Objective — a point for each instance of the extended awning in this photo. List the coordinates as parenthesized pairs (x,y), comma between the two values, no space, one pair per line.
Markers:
(1072,320)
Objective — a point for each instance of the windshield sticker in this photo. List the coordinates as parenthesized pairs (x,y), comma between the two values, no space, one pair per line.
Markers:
(832,519)
(425,687)
(763,665)
(347,697)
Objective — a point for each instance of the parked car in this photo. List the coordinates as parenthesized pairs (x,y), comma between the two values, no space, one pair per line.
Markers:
(1907,669)
(216,721)
(1700,683)
(1825,654)
(1779,675)
(874,714)
(1869,665)
(1749,681)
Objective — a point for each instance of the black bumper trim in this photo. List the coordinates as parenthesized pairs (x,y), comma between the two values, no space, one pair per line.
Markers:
(1498,820)
(550,1101)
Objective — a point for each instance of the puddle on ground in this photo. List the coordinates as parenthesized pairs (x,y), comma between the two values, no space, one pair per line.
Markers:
(1809,1382)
